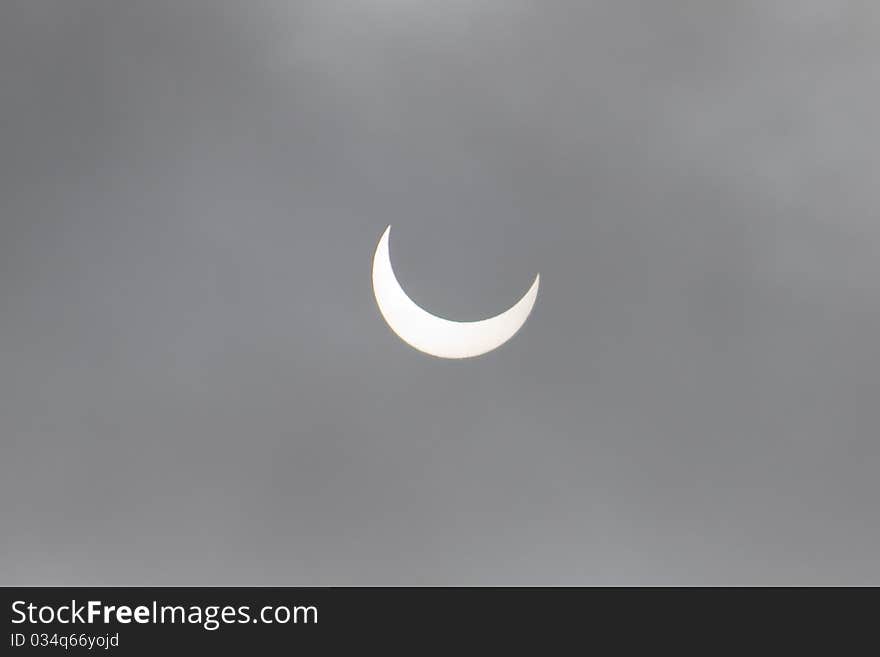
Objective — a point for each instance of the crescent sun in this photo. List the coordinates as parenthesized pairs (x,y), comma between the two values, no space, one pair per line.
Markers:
(434,335)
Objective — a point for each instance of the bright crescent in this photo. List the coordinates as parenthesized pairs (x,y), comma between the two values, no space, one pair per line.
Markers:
(434,335)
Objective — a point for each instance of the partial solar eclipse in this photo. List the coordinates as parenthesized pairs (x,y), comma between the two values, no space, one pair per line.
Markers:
(434,335)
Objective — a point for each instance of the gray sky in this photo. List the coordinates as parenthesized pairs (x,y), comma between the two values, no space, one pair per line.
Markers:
(196,386)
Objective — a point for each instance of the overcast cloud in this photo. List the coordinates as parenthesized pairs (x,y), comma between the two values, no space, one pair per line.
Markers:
(196,386)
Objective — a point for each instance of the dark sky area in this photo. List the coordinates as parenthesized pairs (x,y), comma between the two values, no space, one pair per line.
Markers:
(196,386)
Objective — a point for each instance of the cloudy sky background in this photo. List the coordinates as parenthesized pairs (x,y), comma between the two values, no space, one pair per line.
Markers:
(196,386)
